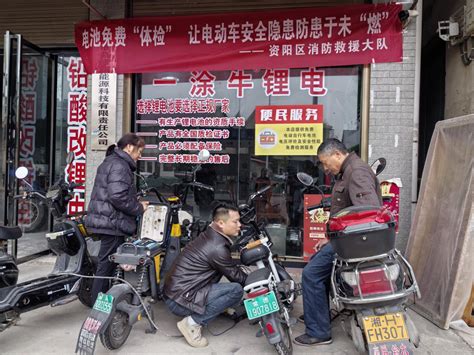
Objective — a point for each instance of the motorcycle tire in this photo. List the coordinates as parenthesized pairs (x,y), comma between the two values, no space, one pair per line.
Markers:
(357,337)
(85,292)
(39,213)
(285,346)
(412,331)
(118,330)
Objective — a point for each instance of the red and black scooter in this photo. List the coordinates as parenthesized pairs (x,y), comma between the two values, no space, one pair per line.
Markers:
(370,278)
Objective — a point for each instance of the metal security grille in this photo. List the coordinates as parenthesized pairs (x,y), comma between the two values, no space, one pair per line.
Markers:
(171,8)
(44,22)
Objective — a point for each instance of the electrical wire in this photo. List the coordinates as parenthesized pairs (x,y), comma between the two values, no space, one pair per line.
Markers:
(136,293)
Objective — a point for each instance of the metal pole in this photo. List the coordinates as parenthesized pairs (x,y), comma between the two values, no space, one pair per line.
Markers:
(17,135)
(365,110)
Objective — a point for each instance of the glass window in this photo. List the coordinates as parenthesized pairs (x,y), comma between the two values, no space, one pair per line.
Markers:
(168,104)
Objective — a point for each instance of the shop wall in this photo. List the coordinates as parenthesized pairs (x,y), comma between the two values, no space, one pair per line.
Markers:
(459,99)
(392,88)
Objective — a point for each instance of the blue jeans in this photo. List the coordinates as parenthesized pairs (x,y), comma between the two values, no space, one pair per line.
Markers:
(316,284)
(220,297)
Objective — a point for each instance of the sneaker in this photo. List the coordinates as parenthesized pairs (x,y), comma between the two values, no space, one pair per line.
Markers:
(306,340)
(301,318)
(192,334)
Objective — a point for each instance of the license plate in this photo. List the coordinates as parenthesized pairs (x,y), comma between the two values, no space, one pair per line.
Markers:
(262,305)
(389,327)
(104,303)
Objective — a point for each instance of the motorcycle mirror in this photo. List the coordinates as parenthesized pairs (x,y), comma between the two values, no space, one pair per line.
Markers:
(305,179)
(70,158)
(204,155)
(378,166)
(21,172)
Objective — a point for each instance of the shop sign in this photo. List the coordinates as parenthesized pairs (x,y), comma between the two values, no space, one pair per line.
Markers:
(186,125)
(288,130)
(103,110)
(391,197)
(314,225)
(77,132)
(28,114)
(288,38)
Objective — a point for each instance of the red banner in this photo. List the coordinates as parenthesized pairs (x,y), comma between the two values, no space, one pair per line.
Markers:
(290,38)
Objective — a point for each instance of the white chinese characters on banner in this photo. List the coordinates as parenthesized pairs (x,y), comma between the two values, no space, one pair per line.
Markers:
(77,133)
(103,110)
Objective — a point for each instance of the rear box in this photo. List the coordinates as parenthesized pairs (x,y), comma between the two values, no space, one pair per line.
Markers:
(361,232)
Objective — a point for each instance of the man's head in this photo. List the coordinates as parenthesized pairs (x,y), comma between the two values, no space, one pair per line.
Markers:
(227,219)
(332,153)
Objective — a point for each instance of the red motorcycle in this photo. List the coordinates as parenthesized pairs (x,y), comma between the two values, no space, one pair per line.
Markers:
(371,281)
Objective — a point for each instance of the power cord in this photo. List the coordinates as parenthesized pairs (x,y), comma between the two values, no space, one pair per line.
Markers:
(136,293)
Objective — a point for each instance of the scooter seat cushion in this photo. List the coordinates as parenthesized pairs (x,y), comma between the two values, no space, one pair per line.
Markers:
(7,233)
(257,275)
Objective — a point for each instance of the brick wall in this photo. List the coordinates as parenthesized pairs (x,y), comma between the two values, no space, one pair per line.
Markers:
(392,88)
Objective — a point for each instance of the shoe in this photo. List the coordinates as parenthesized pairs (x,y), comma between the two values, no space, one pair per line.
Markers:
(192,334)
(306,340)
(301,318)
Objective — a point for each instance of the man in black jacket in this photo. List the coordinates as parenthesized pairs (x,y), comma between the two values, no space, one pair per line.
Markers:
(356,185)
(192,289)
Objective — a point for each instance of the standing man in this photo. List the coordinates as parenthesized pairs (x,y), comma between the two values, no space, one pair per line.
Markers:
(192,289)
(356,185)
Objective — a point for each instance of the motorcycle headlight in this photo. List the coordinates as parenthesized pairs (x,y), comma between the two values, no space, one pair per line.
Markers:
(127,267)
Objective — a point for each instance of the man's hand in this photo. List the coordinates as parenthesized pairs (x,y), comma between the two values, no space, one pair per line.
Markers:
(319,246)
(145,204)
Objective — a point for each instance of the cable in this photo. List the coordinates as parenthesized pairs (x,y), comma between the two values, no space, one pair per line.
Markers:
(134,290)
(225,331)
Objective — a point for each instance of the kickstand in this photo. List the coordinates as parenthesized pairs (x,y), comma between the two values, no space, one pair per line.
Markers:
(152,329)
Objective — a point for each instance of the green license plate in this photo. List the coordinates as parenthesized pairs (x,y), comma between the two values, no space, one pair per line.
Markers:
(104,303)
(262,305)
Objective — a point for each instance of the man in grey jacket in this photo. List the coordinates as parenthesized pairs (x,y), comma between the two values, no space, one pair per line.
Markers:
(356,185)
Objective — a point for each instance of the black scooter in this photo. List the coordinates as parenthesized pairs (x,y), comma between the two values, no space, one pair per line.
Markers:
(68,241)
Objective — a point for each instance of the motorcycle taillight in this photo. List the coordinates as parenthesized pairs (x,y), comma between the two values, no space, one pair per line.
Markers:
(257,293)
(373,282)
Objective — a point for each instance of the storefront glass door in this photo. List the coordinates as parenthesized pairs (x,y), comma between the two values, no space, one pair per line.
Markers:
(26,129)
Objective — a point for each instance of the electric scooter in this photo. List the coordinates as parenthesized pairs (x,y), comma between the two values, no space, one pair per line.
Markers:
(67,241)
(370,278)
(142,266)
(269,290)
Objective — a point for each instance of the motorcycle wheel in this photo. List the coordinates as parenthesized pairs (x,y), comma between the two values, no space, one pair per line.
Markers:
(84,293)
(412,331)
(117,332)
(38,215)
(357,337)
(285,346)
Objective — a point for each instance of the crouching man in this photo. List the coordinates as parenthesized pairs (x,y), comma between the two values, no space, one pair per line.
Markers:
(192,289)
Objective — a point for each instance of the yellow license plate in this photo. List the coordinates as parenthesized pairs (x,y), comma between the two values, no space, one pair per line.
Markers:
(389,327)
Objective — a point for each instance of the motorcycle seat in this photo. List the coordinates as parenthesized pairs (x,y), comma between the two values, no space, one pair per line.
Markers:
(257,275)
(7,233)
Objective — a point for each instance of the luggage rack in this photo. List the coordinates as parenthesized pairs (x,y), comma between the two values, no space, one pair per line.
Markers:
(394,295)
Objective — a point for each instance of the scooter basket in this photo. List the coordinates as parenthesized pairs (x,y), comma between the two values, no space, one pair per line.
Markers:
(361,232)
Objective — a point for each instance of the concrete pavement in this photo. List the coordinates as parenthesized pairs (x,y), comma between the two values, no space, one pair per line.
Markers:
(54,331)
